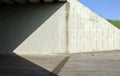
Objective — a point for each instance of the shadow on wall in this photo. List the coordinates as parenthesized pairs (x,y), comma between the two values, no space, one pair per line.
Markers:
(14,65)
(19,21)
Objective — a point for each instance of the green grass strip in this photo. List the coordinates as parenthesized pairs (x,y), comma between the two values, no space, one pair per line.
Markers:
(115,22)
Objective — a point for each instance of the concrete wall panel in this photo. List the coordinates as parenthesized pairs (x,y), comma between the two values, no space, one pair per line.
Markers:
(49,38)
(56,28)
(18,22)
(88,32)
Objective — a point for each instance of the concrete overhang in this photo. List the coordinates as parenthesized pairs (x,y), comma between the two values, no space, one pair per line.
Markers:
(29,1)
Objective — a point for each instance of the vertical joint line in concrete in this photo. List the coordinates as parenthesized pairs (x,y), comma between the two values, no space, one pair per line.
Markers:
(67,25)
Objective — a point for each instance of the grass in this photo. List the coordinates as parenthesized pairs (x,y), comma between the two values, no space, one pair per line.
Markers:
(115,22)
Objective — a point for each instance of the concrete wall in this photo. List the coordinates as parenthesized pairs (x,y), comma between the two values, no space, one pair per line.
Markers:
(18,22)
(49,38)
(88,32)
(55,28)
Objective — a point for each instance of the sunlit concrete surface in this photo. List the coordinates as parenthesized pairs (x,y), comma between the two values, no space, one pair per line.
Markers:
(94,64)
(30,30)
(50,36)
(48,62)
(73,28)
(68,27)
(89,32)
(32,65)
(86,64)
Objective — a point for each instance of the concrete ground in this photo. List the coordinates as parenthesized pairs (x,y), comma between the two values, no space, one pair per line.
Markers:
(29,65)
(102,64)
(88,64)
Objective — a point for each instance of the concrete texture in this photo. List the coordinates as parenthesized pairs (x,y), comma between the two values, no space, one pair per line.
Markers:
(88,32)
(55,28)
(32,65)
(50,37)
(49,62)
(88,65)
(18,22)
(72,29)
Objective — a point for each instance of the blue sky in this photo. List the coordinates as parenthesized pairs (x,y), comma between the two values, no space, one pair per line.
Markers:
(109,9)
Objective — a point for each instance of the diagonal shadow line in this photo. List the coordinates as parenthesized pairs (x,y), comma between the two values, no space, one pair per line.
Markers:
(14,65)
(19,21)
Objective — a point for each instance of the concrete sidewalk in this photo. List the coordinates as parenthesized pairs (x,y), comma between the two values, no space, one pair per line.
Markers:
(29,65)
(88,64)
(102,64)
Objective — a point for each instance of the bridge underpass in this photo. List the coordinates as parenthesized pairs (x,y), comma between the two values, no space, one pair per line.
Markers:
(18,20)
(29,29)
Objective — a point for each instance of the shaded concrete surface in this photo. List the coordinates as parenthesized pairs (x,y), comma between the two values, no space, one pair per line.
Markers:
(14,65)
(94,64)
(19,21)
(48,62)
(86,64)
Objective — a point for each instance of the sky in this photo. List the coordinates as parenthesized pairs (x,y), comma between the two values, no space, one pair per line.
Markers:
(109,9)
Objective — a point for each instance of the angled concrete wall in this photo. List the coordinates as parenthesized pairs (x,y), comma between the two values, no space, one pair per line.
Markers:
(18,22)
(73,28)
(50,37)
(88,32)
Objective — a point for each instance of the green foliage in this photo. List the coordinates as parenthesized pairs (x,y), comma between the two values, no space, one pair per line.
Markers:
(115,22)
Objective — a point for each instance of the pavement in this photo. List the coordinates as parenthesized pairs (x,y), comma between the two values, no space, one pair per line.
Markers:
(92,65)
(87,64)
(29,65)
